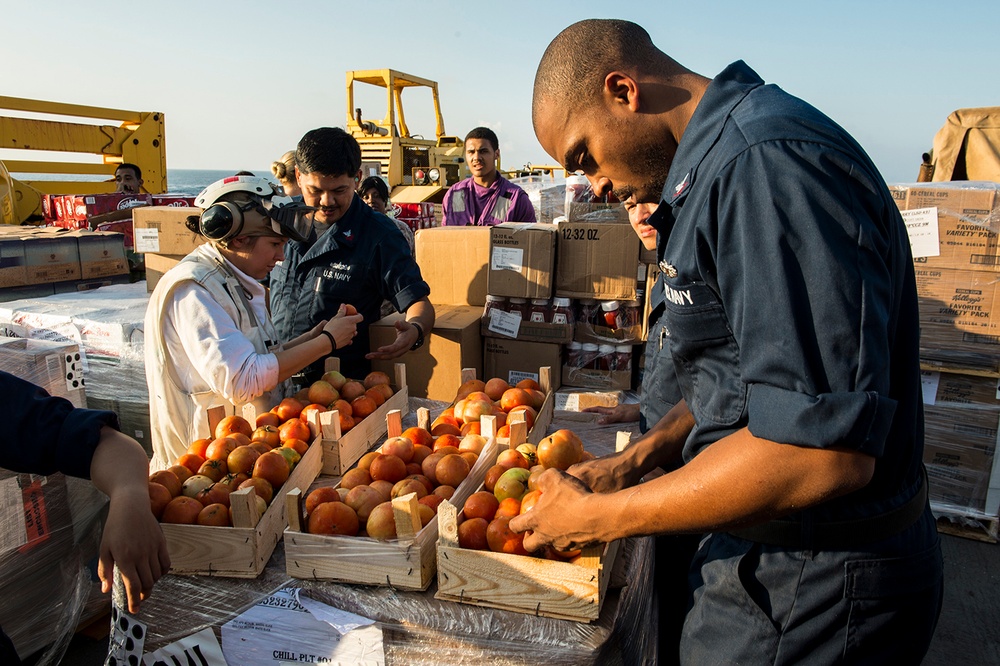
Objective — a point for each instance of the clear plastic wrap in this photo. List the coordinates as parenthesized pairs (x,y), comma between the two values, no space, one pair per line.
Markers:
(582,206)
(106,324)
(50,526)
(419,629)
(954,232)
(961,421)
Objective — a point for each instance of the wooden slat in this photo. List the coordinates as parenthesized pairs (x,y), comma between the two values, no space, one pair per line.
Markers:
(408,565)
(339,453)
(239,552)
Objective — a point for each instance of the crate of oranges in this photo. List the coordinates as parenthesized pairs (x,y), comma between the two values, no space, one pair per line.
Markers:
(350,414)
(534,400)
(222,505)
(482,562)
(379,525)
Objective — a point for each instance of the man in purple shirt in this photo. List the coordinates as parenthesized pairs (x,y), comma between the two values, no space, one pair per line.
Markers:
(486,198)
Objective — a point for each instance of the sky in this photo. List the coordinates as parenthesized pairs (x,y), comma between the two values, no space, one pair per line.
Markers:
(239,83)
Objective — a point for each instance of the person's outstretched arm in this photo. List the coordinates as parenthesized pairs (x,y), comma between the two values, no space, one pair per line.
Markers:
(132,537)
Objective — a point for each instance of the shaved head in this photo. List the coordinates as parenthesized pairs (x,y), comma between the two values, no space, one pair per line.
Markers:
(574,65)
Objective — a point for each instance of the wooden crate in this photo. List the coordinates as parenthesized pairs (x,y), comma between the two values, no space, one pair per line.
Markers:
(407,563)
(544,416)
(243,550)
(521,583)
(342,450)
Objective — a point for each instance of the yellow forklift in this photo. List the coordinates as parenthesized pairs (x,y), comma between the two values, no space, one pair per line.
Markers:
(138,138)
(417,169)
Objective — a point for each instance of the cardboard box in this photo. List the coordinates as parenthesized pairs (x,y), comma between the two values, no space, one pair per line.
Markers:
(514,360)
(596,260)
(82,207)
(961,424)
(434,371)
(174,200)
(102,254)
(157,265)
(967,216)
(605,380)
(959,316)
(453,261)
(161,229)
(526,330)
(522,260)
(55,366)
(12,269)
(51,258)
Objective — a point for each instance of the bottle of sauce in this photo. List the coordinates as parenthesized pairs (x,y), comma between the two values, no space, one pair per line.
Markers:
(606,359)
(623,358)
(586,311)
(494,303)
(562,311)
(631,314)
(573,352)
(588,355)
(538,313)
(610,312)
(518,306)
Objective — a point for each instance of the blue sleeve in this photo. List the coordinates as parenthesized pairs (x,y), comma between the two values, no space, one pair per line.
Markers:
(804,272)
(60,437)
(402,283)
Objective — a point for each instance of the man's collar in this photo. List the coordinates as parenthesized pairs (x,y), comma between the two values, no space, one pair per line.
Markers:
(724,92)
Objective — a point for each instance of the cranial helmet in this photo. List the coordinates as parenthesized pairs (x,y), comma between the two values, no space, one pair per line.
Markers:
(246,206)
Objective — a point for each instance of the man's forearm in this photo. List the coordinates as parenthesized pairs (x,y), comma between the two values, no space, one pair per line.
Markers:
(422,312)
(738,481)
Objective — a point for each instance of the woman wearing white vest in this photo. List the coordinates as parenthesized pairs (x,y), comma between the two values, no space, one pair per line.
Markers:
(209,339)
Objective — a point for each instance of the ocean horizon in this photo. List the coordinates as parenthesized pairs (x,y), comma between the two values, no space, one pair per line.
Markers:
(184,182)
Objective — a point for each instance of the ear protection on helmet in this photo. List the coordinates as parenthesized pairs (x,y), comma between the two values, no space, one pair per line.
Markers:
(224,219)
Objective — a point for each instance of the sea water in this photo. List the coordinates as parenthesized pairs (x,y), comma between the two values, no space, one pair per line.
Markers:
(185,182)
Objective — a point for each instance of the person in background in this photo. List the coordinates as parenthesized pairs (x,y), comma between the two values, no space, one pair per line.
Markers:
(209,337)
(791,310)
(350,254)
(284,170)
(659,394)
(374,192)
(128,179)
(485,198)
(86,443)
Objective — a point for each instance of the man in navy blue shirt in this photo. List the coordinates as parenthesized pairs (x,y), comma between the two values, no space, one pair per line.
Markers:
(791,311)
(86,443)
(352,255)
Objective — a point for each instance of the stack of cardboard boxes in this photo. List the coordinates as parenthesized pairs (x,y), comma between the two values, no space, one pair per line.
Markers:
(41,261)
(953,231)
(539,295)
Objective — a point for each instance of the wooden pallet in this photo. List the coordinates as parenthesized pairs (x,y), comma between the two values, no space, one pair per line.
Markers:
(978,527)
(243,550)
(342,450)
(407,563)
(520,583)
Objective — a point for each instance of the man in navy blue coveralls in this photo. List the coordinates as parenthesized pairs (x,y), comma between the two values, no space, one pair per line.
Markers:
(352,254)
(791,313)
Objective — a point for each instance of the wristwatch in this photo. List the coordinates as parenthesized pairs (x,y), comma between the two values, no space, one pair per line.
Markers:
(420,336)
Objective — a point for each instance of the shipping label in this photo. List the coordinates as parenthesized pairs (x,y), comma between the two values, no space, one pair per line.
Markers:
(922,228)
(507,259)
(504,323)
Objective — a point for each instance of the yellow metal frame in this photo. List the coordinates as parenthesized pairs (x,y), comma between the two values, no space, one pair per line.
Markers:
(388,149)
(139,139)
